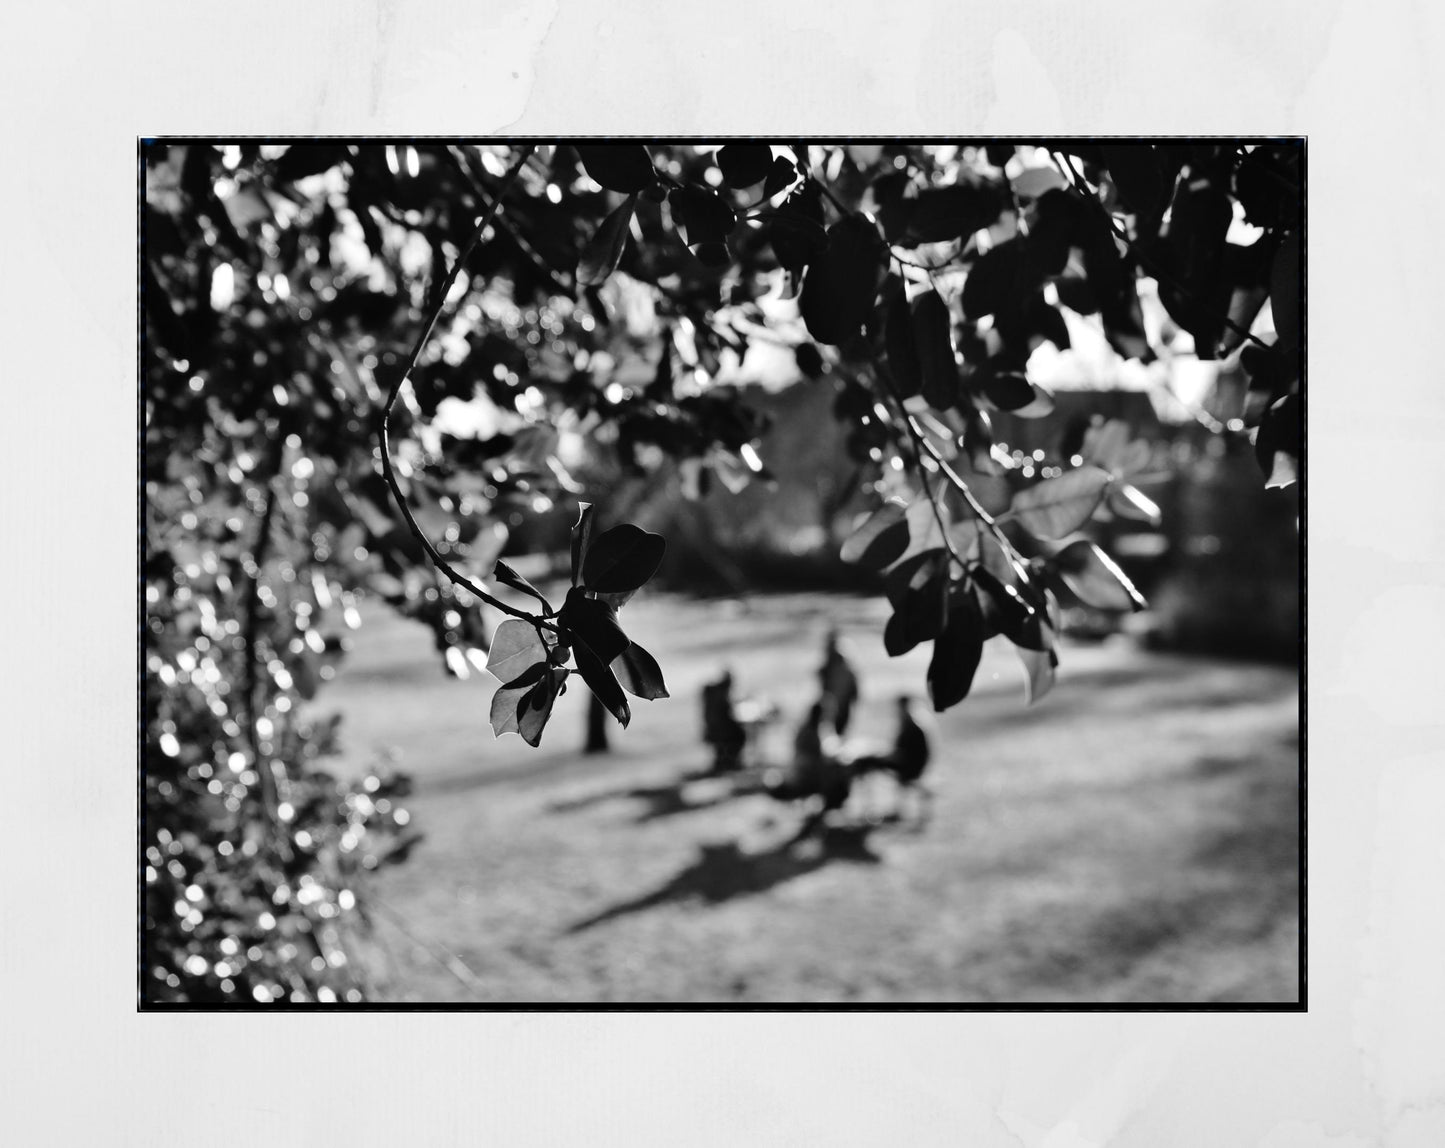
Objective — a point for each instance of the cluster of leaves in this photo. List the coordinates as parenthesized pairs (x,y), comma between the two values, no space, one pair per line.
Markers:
(596,319)
(947,276)
(530,658)
(960,579)
(255,856)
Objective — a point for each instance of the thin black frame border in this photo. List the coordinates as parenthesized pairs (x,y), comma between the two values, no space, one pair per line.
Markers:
(1300,1006)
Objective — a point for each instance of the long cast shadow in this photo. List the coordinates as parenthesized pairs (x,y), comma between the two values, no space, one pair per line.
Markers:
(722,872)
(666,800)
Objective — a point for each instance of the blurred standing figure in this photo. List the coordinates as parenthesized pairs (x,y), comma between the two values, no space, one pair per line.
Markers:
(720,726)
(839,685)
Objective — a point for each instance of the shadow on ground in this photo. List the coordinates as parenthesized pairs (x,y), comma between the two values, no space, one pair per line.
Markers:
(687,794)
(723,872)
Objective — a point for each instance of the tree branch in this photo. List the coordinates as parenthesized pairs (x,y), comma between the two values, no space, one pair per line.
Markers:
(923,446)
(388,467)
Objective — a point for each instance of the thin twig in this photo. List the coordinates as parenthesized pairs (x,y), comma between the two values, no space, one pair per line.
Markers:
(388,467)
(950,265)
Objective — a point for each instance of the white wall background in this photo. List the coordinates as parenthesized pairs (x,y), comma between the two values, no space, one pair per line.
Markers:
(1365,1066)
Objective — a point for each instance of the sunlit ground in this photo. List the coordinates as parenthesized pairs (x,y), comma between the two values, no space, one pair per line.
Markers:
(1133,837)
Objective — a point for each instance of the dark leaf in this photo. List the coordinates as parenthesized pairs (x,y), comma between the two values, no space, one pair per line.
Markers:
(618,167)
(745,164)
(809,360)
(995,281)
(1195,290)
(600,257)
(796,229)
(302,160)
(933,341)
(1139,175)
(902,351)
(1057,507)
(1284,291)
(1267,184)
(841,285)
(956,653)
(881,540)
(602,682)
(943,213)
(593,623)
(639,674)
(888,189)
(702,214)
(1278,443)
(622,559)
(1096,578)
(920,605)
(715,255)
(1009,391)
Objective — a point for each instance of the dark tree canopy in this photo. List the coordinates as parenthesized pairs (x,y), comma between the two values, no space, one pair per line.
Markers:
(371,369)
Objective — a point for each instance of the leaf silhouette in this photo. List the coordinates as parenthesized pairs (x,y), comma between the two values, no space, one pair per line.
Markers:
(639,674)
(745,164)
(933,341)
(956,653)
(618,167)
(622,559)
(843,281)
(702,215)
(603,252)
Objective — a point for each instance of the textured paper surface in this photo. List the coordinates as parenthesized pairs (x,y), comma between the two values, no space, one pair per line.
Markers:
(1366,1064)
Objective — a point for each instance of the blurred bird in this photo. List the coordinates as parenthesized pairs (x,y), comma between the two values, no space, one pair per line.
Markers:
(906,761)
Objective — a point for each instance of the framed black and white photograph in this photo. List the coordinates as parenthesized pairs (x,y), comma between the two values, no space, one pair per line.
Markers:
(704,576)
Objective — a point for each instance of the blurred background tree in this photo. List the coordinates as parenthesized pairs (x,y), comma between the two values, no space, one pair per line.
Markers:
(762,350)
